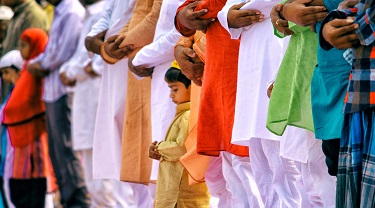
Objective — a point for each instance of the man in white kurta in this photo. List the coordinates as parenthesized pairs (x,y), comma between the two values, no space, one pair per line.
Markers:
(259,59)
(111,107)
(159,54)
(85,103)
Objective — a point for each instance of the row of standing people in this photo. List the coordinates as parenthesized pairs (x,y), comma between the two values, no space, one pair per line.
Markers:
(231,121)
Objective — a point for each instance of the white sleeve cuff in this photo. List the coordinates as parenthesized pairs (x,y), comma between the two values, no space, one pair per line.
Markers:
(222,16)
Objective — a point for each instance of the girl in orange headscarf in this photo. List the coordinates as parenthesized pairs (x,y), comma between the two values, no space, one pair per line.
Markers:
(25,121)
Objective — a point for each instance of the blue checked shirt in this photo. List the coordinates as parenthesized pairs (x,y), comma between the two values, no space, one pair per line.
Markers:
(361,89)
(63,40)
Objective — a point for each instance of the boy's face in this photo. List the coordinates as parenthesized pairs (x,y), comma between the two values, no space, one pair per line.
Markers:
(179,93)
(9,75)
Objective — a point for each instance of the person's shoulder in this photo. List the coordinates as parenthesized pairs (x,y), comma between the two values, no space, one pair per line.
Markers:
(185,115)
(36,11)
(78,8)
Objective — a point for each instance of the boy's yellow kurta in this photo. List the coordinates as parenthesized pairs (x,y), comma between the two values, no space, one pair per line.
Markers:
(173,188)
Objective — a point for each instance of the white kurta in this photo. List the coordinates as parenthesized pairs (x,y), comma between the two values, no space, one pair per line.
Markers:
(260,56)
(85,100)
(112,94)
(160,55)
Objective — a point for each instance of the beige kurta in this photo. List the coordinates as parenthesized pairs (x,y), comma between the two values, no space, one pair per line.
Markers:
(135,164)
(172,189)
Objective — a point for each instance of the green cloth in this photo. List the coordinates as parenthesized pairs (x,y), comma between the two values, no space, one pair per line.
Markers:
(26,15)
(290,102)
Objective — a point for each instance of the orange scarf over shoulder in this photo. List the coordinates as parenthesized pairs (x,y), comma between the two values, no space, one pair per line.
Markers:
(24,111)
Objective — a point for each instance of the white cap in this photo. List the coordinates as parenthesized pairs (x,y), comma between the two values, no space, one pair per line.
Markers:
(12,58)
(6,13)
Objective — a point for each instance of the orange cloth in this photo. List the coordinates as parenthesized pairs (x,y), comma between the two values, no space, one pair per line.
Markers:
(218,95)
(195,164)
(136,138)
(24,111)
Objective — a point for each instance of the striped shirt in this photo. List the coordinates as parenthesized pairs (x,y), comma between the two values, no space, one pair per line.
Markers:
(63,40)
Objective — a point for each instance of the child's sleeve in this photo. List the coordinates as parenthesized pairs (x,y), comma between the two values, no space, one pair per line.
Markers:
(173,150)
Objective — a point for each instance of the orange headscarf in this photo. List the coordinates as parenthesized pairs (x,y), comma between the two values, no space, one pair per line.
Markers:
(24,111)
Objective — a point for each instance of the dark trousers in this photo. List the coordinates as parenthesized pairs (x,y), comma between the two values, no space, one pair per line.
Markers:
(28,193)
(67,167)
(331,149)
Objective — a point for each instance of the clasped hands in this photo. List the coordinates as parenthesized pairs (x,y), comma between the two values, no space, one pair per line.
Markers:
(153,152)
(340,33)
(191,65)
(112,47)
(301,12)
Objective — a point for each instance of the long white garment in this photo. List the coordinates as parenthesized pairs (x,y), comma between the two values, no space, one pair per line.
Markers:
(216,183)
(296,143)
(260,56)
(160,54)
(85,100)
(112,94)
(8,171)
(105,192)
(238,174)
(301,146)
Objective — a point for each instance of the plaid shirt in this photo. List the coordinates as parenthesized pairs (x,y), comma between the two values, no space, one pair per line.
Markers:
(361,89)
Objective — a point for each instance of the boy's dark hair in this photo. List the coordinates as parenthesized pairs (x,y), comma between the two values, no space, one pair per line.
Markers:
(175,75)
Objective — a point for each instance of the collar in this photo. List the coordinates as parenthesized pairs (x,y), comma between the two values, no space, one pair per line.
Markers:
(95,8)
(182,107)
(20,8)
(62,6)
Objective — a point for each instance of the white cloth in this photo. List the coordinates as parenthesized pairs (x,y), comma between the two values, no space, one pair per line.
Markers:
(112,94)
(260,56)
(242,167)
(12,58)
(275,176)
(8,171)
(216,183)
(85,99)
(296,143)
(240,181)
(105,192)
(302,147)
(142,195)
(160,54)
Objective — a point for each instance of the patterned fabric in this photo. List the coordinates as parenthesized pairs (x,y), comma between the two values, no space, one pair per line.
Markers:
(361,89)
(31,161)
(356,168)
(348,56)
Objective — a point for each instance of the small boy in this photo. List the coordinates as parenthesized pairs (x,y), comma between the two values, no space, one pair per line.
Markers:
(10,66)
(172,189)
